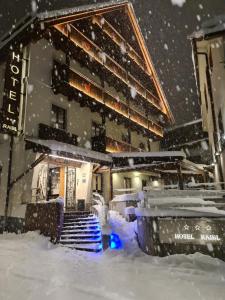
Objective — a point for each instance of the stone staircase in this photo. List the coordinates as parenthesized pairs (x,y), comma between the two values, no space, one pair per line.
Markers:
(81,231)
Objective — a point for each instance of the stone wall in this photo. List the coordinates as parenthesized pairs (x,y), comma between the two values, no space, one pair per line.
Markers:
(46,217)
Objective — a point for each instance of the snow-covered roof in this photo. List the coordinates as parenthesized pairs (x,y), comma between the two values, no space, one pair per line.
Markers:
(31,19)
(70,11)
(161,154)
(210,27)
(58,148)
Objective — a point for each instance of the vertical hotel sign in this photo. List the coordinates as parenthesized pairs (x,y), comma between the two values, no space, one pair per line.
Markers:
(12,93)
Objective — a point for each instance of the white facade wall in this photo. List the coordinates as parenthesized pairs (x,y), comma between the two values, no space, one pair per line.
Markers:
(40,98)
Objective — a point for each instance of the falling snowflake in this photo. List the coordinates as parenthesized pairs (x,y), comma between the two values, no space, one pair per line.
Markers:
(179,3)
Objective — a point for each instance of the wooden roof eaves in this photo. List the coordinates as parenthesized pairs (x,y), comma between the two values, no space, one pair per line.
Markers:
(149,62)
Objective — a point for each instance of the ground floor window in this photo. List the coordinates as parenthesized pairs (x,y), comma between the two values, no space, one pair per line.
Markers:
(127,183)
(97,183)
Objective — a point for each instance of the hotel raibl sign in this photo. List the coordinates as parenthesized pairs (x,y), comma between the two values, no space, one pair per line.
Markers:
(12,93)
(192,231)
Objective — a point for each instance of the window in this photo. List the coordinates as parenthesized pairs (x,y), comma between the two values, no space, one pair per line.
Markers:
(206,98)
(220,123)
(142,146)
(126,138)
(127,183)
(143,183)
(97,129)
(58,117)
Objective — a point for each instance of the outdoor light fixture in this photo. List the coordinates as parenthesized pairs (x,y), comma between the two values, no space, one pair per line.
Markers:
(67,158)
(114,241)
(217,153)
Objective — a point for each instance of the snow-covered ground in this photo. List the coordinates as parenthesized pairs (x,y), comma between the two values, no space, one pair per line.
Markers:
(32,268)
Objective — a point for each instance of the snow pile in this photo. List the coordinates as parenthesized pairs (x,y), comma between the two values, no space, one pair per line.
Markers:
(125,230)
(33,268)
(126,197)
(171,201)
(179,3)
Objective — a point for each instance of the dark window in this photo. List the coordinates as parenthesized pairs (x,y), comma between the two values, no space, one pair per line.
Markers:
(142,146)
(58,117)
(125,138)
(144,183)
(220,123)
(206,98)
(210,60)
(96,129)
(127,183)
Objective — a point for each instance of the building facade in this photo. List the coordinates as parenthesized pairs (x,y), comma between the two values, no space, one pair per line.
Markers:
(209,56)
(77,84)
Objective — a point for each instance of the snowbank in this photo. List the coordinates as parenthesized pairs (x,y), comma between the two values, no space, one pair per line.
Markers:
(33,268)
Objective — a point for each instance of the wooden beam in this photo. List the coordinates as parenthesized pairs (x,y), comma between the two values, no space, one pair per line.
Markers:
(117,38)
(150,66)
(77,15)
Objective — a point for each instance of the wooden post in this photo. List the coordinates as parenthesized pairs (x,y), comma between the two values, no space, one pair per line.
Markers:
(111,185)
(180,177)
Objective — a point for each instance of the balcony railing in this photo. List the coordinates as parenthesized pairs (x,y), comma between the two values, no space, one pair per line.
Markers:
(63,75)
(113,145)
(49,133)
(108,62)
(107,144)
(99,143)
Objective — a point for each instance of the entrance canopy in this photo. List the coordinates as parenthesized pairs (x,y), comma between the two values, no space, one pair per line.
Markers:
(145,159)
(66,151)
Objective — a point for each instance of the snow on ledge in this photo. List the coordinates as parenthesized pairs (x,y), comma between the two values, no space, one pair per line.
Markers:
(150,154)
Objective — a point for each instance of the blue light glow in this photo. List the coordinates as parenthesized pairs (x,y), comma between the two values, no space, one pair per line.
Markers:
(114,241)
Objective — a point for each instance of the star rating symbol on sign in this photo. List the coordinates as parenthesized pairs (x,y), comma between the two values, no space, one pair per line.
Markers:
(197,227)
(186,227)
(208,227)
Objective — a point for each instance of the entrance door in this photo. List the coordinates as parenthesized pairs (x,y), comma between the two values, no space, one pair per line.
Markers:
(53,183)
(71,188)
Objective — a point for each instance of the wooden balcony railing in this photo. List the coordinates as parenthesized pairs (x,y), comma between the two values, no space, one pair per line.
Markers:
(62,74)
(113,146)
(116,37)
(80,40)
(49,133)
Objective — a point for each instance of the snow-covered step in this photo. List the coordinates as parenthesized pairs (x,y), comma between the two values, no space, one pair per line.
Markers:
(67,220)
(81,223)
(88,241)
(81,232)
(80,236)
(78,214)
(90,248)
(81,227)
(80,219)
(92,232)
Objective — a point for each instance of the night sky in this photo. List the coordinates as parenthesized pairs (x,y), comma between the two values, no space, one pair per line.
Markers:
(165,28)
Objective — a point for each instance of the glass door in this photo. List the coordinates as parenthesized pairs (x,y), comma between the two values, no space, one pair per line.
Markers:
(71,188)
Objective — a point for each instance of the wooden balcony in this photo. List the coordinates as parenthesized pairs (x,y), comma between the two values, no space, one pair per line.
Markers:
(106,144)
(62,75)
(84,43)
(113,146)
(49,133)
(117,38)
